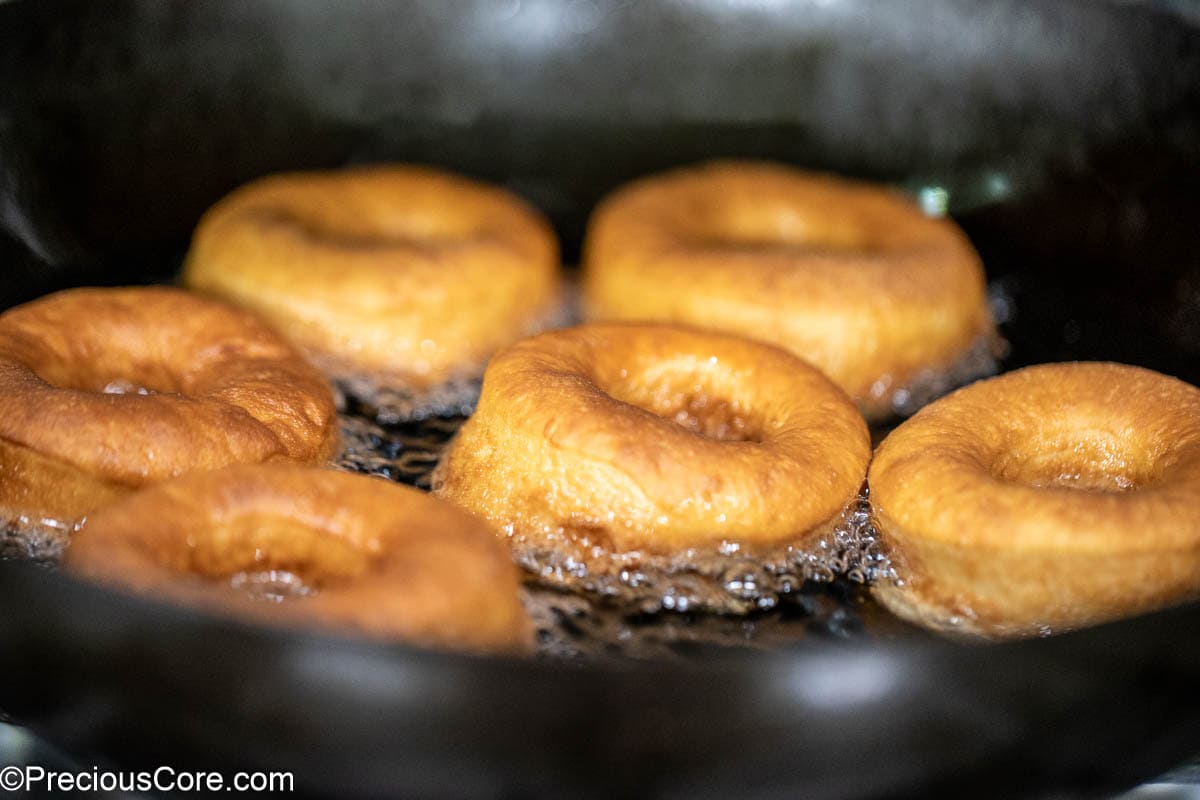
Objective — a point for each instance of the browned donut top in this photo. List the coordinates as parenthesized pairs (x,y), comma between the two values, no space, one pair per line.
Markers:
(415,210)
(139,384)
(850,276)
(1083,456)
(405,273)
(665,437)
(807,228)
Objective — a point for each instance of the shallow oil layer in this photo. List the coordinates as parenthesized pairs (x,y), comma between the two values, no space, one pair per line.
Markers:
(38,540)
(574,627)
(363,395)
(366,396)
(721,580)
(271,586)
(642,607)
(405,453)
(651,613)
(981,360)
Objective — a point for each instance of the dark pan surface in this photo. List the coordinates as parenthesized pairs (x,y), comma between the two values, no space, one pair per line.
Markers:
(148,685)
(1065,137)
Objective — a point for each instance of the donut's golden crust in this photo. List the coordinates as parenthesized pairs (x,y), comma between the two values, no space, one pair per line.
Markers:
(1049,498)
(851,277)
(226,389)
(655,438)
(405,274)
(385,560)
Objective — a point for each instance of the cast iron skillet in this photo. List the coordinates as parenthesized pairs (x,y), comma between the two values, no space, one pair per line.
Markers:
(1064,136)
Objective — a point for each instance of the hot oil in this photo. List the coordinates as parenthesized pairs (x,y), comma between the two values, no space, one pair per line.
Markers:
(659,608)
(980,360)
(774,606)
(723,579)
(577,627)
(39,540)
(662,609)
(406,453)
(365,396)
(271,586)
(665,608)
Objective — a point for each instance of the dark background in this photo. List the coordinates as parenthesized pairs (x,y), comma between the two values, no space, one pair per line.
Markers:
(1066,135)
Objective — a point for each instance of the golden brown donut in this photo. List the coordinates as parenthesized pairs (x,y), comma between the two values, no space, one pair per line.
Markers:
(355,553)
(106,390)
(655,438)
(1046,499)
(850,276)
(402,276)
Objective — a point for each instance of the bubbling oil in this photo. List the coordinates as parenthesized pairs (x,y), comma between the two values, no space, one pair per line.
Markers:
(405,453)
(366,395)
(723,579)
(40,540)
(576,627)
(794,596)
(980,360)
(271,586)
(588,606)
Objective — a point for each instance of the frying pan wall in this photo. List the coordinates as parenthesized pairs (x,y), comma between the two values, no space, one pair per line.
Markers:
(1071,129)
(1083,713)
(1065,136)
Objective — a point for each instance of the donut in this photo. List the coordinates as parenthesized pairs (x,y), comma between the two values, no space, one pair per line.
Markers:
(392,277)
(655,439)
(331,549)
(851,277)
(106,390)
(1046,499)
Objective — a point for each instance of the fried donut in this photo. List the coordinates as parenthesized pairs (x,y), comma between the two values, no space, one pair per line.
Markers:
(106,390)
(1049,498)
(394,276)
(655,439)
(349,553)
(849,276)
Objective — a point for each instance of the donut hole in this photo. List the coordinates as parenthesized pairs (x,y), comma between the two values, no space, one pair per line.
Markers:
(778,225)
(713,418)
(691,401)
(274,558)
(353,226)
(102,382)
(271,586)
(702,414)
(107,372)
(1089,463)
(124,386)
